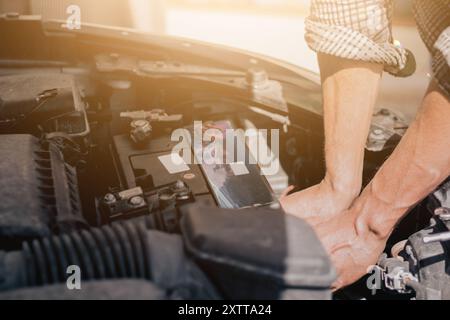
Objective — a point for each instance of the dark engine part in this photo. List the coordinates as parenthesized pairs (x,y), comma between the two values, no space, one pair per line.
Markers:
(161,205)
(421,267)
(94,290)
(39,190)
(273,256)
(51,101)
(258,253)
(428,254)
(149,166)
(137,163)
(21,94)
(144,176)
(123,205)
(121,251)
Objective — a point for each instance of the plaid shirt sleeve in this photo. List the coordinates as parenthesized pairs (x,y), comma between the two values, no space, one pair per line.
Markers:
(433,21)
(362,30)
(357,30)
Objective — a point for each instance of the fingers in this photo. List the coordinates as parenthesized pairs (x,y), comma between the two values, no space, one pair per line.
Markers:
(286,192)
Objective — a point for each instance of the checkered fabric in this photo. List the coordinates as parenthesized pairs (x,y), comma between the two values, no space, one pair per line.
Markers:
(433,21)
(362,30)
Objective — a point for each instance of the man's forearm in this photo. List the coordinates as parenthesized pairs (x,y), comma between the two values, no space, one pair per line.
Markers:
(350,89)
(419,164)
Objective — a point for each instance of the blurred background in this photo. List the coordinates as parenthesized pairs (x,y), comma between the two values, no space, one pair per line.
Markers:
(270,27)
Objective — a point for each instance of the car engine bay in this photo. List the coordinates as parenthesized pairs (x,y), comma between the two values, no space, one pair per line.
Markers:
(86,180)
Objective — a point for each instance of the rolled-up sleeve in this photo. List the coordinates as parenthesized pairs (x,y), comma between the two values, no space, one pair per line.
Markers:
(357,30)
(441,61)
(433,21)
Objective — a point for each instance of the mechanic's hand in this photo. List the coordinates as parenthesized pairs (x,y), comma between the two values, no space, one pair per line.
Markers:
(353,248)
(317,204)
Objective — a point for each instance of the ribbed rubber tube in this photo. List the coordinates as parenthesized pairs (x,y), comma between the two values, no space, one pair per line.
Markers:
(117,251)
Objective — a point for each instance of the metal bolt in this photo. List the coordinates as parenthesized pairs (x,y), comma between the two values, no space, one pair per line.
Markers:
(137,201)
(179,184)
(110,198)
(378,132)
(257,78)
(140,123)
(141,131)
(443,213)
(181,191)
(440,237)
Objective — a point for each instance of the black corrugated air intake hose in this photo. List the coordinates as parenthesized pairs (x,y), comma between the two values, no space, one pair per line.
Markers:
(125,250)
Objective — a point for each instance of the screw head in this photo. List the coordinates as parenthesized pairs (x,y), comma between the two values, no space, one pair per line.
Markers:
(141,131)
(137,201)
(110,198)
(140,123)
(378,132)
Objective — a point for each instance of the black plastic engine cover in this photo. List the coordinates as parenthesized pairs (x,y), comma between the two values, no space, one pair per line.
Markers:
(21,213)
(37,189)
(20,95)
(258,253)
